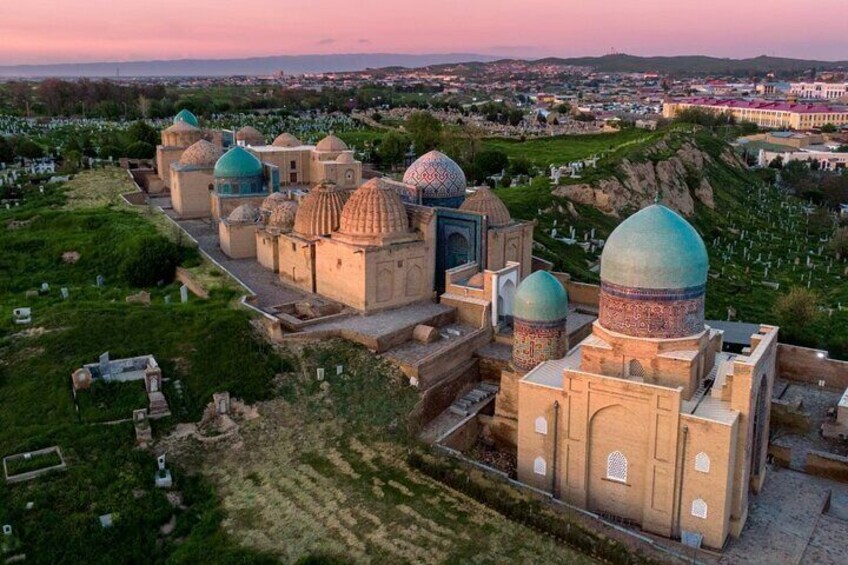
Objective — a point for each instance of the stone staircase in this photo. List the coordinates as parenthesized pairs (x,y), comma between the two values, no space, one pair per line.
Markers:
(465,405)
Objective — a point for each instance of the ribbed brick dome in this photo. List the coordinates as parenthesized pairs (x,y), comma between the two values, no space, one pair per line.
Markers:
(374,209)
(201,154)
(484,201)
(320,211)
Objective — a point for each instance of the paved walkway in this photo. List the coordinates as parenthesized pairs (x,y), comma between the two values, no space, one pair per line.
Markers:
(786,524)
(261,282)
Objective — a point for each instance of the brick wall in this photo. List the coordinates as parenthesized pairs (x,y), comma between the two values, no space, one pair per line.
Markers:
(811,365)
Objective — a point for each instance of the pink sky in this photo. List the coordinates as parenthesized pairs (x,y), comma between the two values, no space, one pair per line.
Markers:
(47,31)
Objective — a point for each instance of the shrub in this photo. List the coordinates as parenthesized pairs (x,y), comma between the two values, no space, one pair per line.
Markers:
(149,260)
(140,150)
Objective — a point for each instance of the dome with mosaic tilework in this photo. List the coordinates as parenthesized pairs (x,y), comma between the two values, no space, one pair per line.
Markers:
(320,211)
(485,202)
(653,277)
(286,140)
(540,298)
(374,209)
(238,162)
(201,154)
(187,117)
(438,177)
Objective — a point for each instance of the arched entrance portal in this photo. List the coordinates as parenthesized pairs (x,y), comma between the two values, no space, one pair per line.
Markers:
(506,296)
(760,431)
(457,251)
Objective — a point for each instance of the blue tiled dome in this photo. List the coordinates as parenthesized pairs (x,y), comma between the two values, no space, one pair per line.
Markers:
(655,248)
(540,298)
(238,162)
(187,117)
(440,179)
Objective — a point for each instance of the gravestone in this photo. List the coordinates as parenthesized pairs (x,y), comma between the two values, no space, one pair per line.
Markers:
(163,475)
(45,288)
(320,373)
(339,369)
(64,292)
(7,529)
(105,366)
(183,294)
(100,281)
(167,299)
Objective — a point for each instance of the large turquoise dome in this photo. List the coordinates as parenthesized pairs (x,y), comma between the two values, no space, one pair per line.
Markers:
(655,248)
(187,117)
(238,162)
(540,298)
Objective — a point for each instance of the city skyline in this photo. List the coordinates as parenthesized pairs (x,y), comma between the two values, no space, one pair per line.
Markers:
(38,32)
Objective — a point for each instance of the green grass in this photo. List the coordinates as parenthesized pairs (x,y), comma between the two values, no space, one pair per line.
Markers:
(20,465)
(206,344)
(562,149)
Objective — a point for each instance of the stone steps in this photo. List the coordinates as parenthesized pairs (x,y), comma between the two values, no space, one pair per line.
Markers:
(464,405)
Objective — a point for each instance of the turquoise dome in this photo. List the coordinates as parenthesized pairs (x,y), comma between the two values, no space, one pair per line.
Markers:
(655,248)
(540,298)
(187,117)
(236,163)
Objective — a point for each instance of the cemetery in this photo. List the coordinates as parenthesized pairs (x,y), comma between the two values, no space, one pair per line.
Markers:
(31,464)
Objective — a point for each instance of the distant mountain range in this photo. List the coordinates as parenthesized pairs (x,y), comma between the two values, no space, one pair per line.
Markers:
(290,64)
(298,64)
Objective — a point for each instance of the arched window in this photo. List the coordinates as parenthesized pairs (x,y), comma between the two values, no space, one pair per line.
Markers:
(636,369)
(540,467)
(699,508)
(617,467)
(702,462)
(541,425)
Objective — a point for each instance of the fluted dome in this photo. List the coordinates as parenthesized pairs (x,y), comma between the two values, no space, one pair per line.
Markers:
(286,140)
(187,117)
(201,154)
(244,214)
(440,179)
(655,248)
(250,136)
(320,211)
(484,201)
(345,158)
(331,143)
(238,162)
(374,209)
(540,298)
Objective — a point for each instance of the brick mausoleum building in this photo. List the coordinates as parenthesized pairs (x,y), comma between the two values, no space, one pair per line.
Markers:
(646,419)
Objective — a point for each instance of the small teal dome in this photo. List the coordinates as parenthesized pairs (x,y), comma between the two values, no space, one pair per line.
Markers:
(540,298)
(238,162)
(187,117)
(655,248)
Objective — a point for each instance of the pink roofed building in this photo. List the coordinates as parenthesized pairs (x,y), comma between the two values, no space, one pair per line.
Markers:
(765,113)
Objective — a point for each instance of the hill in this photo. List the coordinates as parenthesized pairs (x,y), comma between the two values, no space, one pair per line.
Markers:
(291,64)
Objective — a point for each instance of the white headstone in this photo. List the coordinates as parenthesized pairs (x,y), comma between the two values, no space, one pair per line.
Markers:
(161,461)
(64,292)
(7,529)
(339,369)
(320,373)
(45,287)
(183,294)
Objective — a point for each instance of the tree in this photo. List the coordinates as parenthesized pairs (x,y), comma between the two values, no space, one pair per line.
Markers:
(839,242)
(820,222)
(520,166)
(393,148)
(796,311)
(426,131)
(140,150)
(776,163)
(141,131)
(828,128)
(149,260)
(564,108)
(488,163)
(7,150)
(28,149)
